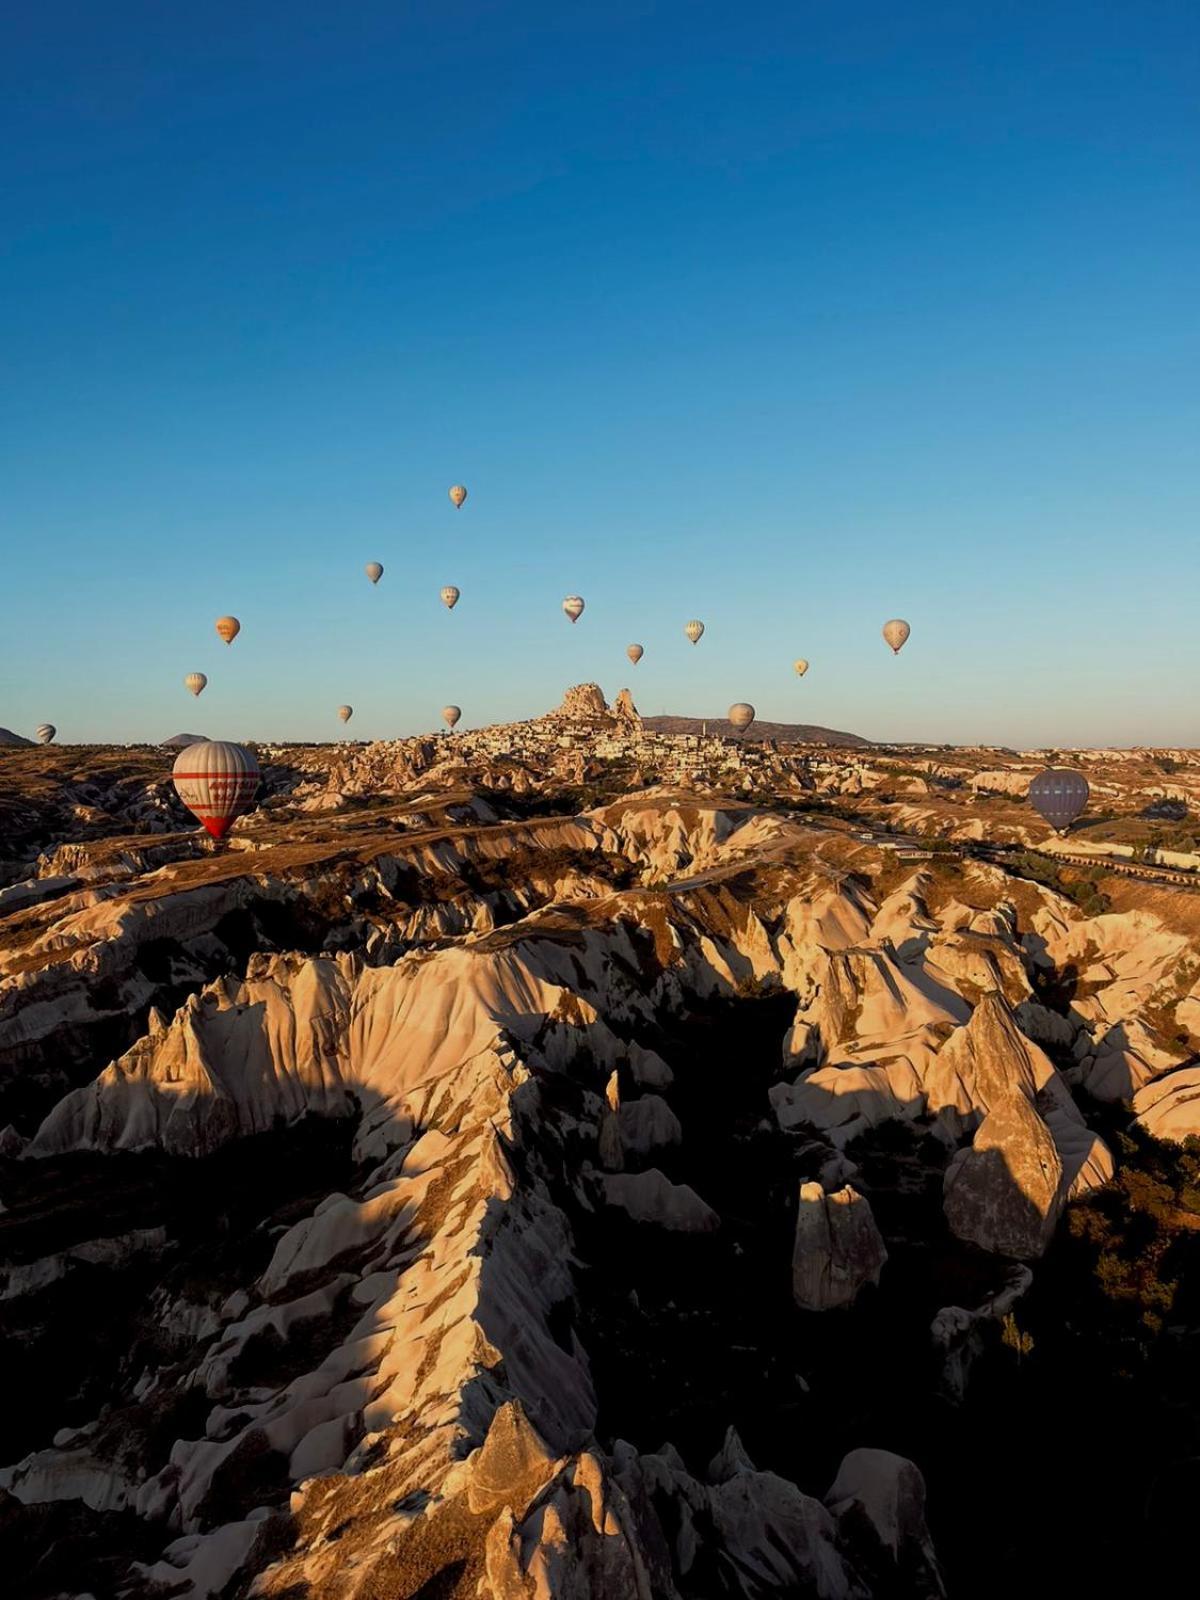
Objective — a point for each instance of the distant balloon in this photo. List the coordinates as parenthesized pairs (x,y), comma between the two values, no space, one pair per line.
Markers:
(741,715)
(44,732)
(1059,795)
(573,606)
(217,782)
(451,714)
(228,628)
(194,682)
(458,494)
(635,653)
(374,570)
(896,632)
(801,667)
(450,596)
(345,713)
(694,631)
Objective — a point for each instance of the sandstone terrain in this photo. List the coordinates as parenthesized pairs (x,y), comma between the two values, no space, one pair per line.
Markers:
(581,1161)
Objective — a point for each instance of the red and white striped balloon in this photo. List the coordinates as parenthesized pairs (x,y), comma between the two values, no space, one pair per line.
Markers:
(217,782)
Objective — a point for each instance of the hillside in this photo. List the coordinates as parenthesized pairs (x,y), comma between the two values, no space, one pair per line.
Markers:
(783,732)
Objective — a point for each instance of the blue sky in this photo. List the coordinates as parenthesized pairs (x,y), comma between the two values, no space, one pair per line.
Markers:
(791,318)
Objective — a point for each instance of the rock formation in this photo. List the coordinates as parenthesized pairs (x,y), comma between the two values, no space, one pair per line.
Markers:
(422,1167)
(838,1248)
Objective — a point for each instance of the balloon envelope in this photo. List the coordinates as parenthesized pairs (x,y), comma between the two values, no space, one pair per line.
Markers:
(374,570)
(44,732)
(1058,795)
(573,606)
(195,682)
(694,630)
(896,632)
(458,494)
(801,667)
(451,714)
(635,653)
(217,782)
(345,713)
(228,628)
(450,596)
(741,715)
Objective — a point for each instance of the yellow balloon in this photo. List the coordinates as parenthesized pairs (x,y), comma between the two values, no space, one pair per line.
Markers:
(896,632)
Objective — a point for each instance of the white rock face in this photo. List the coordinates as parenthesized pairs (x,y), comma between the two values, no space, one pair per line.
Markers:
(1169,1108)
(838,1249)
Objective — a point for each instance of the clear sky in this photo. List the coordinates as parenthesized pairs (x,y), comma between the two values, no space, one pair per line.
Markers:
(791,317)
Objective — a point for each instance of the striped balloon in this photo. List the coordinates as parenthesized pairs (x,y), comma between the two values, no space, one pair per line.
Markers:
(217,782)
(45,732)
(450,596)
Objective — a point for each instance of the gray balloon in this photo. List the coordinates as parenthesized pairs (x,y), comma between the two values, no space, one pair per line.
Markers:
(1059,795)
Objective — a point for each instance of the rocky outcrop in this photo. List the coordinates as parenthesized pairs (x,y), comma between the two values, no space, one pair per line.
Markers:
(651,1197)
(584,703)
(878,1500)
(1005,1192)
(838,1248)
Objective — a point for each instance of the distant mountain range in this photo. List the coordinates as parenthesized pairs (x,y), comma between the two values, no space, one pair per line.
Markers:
(784,732)
(8,737)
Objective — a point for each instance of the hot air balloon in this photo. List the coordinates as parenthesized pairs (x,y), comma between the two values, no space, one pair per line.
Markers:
(896,632)
(44,732)
(451,714)
(217,782)
(694,630)
(345,713)
(801,667)
(228,628)
(450,597)
(374,570)
(1058,795)
(635,653)
(194,682)
(741,715)
(458,494)
(573,606)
